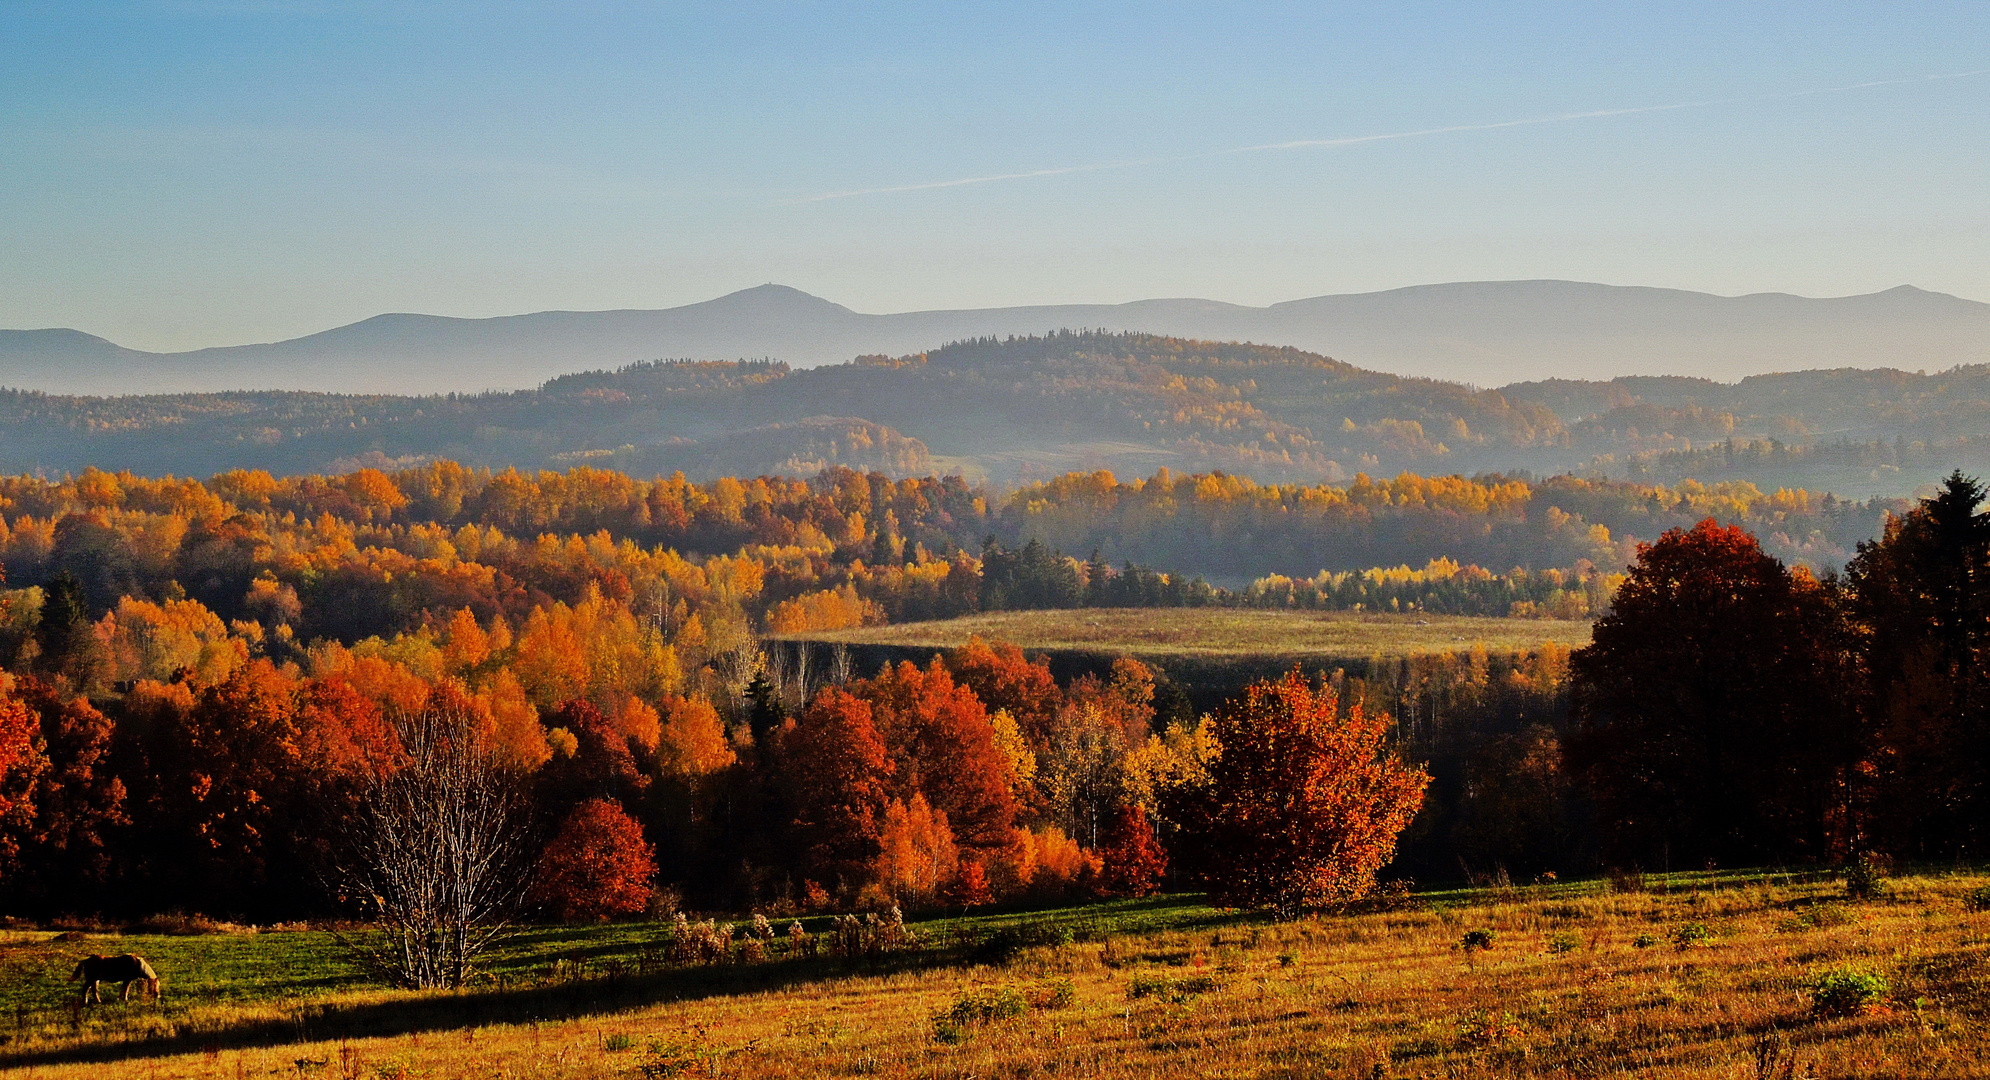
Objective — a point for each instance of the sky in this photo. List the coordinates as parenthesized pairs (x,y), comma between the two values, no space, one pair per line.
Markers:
(182,174)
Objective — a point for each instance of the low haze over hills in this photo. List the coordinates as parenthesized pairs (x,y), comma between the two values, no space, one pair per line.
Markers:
(1484,333)
(1027,408)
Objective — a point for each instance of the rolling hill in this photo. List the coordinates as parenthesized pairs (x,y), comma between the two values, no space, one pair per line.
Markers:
(1028,408)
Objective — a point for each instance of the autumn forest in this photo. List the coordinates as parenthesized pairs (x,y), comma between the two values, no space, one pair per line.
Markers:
(206,678)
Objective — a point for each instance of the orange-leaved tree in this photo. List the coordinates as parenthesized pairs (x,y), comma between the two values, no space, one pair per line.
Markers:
(917,854)
(1003,678)
(944,748)
(21,764)
(1307,801)
(598,867)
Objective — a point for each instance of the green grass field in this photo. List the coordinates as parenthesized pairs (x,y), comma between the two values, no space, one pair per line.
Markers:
(1692,975)
(1226,633)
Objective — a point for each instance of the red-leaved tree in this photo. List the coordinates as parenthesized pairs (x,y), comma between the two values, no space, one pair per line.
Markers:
(1307,802)
(1716,707)
(944,748)
(598,866)
(837,775)
(1134,859)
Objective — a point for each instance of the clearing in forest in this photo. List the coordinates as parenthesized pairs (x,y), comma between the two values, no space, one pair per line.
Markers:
(1213,633)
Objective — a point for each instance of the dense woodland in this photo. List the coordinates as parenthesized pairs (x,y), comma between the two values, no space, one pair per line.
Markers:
(204,678)
(1738,710)
(1044,406)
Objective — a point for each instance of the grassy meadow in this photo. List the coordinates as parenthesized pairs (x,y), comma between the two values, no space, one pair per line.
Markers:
(1162,634)
(1704,975)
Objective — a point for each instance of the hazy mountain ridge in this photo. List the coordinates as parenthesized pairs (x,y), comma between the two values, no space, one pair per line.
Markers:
(1485,333)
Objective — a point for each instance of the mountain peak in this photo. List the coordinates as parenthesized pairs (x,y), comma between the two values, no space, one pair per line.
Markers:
(772,298)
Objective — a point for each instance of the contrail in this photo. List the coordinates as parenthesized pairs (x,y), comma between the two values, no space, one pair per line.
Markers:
(1357,140)
(1056,171)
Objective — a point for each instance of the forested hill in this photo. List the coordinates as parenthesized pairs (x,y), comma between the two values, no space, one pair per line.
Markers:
(1020,409)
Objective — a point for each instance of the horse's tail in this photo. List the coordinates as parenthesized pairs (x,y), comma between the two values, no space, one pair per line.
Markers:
(81,966)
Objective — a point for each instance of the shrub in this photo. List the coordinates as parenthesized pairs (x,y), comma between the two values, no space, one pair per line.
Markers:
(1687,935)
(1866,878)
(1814,917)
(599,866)
(1173,991)
(1485,1028)
(1978,899)
(699,943)
(1627,881)
(178,923)
(1478,939)
(1846,991)
(870,936)
(1563,942)
(1643,941)
(974,1008)
(1009,942)
(1051,994)
(665,1058)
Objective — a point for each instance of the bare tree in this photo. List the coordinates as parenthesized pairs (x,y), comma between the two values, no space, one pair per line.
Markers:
(804,677)
(435,852)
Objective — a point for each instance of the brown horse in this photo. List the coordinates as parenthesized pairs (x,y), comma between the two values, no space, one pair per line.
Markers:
(127,969)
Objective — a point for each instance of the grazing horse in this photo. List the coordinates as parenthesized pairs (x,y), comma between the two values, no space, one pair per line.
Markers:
(127,969)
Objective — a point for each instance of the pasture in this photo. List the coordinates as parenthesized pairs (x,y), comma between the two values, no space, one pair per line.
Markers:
(1732,974)
(1163,634)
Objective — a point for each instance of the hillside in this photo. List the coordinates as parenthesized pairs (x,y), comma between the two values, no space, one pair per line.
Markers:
(1485,333)
(1702,976)
(1021,409)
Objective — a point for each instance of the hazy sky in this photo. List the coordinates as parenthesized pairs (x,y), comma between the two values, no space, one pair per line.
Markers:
(174,175)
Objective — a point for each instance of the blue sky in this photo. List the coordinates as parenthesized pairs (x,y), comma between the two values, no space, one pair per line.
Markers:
(180,174)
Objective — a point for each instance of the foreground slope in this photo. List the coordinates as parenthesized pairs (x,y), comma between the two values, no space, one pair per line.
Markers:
(1709,975)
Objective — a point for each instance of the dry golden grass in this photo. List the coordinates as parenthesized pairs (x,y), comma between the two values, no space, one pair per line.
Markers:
(1226,633)
(1366,995)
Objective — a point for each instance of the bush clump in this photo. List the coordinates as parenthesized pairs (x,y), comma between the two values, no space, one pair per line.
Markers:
(1846,991)
(1478,939)
(1978,899)
(976,1008)
(1866,878)
(1687,935)
(1009,942)
(1484,1028)
(1173,991)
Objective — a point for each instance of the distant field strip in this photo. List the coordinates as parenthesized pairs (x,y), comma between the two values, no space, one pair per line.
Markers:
(1226,633)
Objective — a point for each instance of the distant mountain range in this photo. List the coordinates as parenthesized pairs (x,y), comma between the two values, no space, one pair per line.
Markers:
(1482,333)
